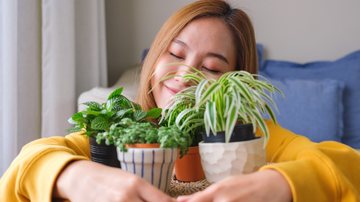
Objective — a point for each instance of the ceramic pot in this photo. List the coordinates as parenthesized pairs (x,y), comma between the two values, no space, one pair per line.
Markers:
(155,165)
(104,154)
(241,132)
(188,168)
(220,160)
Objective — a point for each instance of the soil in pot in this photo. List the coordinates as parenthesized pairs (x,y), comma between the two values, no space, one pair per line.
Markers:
(104,154)
(242,132)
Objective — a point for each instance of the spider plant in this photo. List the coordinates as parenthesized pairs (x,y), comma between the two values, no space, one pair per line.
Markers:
(182,112)
(218,105)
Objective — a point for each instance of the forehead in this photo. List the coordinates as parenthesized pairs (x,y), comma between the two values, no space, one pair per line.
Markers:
(208,34)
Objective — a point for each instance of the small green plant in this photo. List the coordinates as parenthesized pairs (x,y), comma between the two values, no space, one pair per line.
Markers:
(120,121)
(218,105)
(98,118)
(128,131)
(183,114)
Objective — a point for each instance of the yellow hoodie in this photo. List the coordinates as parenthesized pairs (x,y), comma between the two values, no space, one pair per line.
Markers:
(327,171)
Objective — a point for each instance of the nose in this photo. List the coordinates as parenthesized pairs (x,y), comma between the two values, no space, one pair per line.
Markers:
(191,62)
(182,70)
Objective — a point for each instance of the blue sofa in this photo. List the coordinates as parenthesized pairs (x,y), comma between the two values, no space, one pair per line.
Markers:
(321,98)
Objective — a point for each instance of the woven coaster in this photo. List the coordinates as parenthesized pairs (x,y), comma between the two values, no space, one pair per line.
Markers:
(178,188)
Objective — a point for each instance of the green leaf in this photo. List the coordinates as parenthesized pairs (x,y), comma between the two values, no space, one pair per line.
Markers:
(74,129)
(93,106)
(118,103)
(188,119)
(266,98)
(100,123)
(121,113)
(231,120)
(181,116)
(154,113)
(200,87)
(76,118)
(135,106)
(271,113)
(209,92)
(243,89)
(210,116)
(139,115)
(260,121)
(116,93)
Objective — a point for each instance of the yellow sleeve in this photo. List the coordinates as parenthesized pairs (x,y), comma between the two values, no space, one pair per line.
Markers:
(326,171)
(31,176)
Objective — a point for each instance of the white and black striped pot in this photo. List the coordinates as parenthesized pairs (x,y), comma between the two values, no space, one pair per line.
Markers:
(155,165)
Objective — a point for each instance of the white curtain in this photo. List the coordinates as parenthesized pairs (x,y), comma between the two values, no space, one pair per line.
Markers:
(50,52)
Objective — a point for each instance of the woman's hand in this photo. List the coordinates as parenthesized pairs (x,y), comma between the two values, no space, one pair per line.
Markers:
(89,181)
(266,185)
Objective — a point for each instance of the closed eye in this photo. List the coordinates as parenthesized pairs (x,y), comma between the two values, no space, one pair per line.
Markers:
(213,71)
(176,56)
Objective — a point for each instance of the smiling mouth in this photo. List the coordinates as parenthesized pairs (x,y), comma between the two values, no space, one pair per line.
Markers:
(172,90)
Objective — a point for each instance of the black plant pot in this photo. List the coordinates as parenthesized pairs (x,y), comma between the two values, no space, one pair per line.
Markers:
(104,154)
(196,139)
(242,132)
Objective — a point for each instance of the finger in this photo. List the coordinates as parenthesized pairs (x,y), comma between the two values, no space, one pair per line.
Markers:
(150,193)
(183,198)
(202,196)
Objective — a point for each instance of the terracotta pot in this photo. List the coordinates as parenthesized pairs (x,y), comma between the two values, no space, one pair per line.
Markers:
(104,154)
(188,168)
(153,164)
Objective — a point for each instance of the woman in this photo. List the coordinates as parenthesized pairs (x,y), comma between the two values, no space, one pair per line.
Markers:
(214,38)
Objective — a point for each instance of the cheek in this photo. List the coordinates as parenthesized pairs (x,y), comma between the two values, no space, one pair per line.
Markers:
(158,90)
(163,68)
(160,72)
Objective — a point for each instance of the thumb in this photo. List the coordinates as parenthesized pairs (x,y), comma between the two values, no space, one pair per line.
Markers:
(150,193)
(202,196)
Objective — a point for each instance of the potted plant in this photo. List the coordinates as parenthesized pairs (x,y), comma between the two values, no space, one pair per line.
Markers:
(181,113)
(97,118)
(147,150)
(230,110)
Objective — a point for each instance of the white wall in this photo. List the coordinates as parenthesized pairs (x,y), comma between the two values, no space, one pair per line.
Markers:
(302,30)
(305,30)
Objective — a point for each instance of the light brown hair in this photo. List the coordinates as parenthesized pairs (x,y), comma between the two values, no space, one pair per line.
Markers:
(237,20)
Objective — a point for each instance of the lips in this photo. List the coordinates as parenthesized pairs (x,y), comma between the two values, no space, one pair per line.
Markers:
(172,90)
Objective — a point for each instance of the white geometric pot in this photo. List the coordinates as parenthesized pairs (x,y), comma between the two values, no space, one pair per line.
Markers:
(220,160)
(155,165)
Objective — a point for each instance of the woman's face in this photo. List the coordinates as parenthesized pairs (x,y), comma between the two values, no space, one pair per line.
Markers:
(206,44)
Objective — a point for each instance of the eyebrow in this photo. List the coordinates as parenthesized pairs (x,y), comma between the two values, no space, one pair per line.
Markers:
(210,54)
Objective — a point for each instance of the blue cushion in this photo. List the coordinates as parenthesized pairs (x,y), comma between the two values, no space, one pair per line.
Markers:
(260,54)
(311,108)
(346,69)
